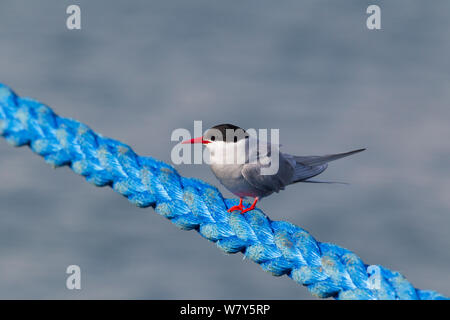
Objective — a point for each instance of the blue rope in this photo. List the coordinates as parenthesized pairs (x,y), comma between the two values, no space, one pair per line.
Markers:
(280,247)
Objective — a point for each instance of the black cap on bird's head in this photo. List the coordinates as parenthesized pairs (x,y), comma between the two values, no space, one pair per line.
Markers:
(221,132)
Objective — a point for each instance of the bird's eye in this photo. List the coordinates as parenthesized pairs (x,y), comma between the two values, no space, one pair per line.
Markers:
(213,138)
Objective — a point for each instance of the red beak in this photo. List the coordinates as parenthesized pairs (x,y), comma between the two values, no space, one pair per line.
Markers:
(196,140)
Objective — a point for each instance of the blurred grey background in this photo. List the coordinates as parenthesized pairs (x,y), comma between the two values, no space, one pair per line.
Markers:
(140,69)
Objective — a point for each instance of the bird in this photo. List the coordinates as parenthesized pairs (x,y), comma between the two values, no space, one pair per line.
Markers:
(238,160)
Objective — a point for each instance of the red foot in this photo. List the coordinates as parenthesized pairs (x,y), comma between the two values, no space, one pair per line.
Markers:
(241,207)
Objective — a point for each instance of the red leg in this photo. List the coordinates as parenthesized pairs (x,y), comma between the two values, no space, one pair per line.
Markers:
(251,207)
(238,207)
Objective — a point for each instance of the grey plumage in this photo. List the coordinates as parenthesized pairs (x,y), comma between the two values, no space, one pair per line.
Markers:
(246,179)
(249,167)
(307,167)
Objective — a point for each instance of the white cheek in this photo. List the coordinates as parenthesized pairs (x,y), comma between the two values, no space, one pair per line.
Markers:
(227,153)
(215,151)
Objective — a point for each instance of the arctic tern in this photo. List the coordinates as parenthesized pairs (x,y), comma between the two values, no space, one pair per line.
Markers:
(238,160)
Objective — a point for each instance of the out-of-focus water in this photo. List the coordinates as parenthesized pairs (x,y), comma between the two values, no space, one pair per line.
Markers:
(139,69)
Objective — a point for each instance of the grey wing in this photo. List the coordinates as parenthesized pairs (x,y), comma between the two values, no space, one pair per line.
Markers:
(320,160)
(268,183)
(310,166)
(303,170)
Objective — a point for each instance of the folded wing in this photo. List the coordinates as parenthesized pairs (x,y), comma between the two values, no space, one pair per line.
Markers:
(306,167)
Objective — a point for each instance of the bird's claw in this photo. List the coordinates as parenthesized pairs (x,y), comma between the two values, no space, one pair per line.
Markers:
(236,208)
(241,208)
(248,209)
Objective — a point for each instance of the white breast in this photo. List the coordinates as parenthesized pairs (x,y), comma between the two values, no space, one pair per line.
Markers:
(226,160)
(227,152)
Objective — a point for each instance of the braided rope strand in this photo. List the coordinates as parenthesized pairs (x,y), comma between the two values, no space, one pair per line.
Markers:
(279,247)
